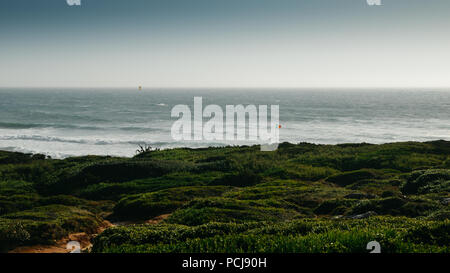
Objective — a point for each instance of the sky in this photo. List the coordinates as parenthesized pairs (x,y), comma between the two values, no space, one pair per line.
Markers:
(225,43)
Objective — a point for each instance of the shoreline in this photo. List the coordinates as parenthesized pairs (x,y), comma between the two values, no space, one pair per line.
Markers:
(17,150)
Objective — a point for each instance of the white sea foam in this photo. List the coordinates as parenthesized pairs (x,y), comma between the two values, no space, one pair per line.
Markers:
(112,122)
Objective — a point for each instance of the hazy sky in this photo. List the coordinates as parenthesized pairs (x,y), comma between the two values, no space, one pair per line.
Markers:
(225,43)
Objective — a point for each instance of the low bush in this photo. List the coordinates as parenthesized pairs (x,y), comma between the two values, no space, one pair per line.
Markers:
(427,181)
(148,205)
(347,178)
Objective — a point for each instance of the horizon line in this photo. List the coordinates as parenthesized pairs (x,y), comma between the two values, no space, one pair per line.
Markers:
(226,87)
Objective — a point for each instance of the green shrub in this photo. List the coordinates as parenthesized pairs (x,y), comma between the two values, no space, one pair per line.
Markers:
(430,233)
(114,171)
(12,234)
(348,178)
(396,206)
(149,205)
(17,202)
(163,233)
(202,211)
(240,179)
(427,181)
(46,224)
(335,207)
(116,191)
(395,234)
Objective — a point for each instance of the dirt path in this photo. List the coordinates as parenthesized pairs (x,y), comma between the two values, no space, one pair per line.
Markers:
(83,238)
(157,219)
(152,221)
(60,246)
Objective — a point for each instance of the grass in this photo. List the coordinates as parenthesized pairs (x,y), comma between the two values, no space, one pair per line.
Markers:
(44,225)
(396,235)
(300,198)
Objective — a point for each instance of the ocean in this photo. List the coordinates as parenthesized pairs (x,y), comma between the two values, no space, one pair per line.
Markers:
(74,122)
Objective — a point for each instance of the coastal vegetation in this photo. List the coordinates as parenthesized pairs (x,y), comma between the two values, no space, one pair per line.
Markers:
(299,198)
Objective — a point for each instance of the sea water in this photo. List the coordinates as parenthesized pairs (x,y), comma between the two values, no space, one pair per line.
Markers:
(63,122)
